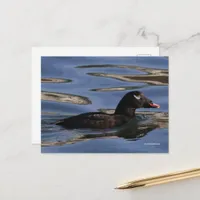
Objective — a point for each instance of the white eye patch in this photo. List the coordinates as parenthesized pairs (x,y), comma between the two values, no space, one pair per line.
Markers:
(137,97)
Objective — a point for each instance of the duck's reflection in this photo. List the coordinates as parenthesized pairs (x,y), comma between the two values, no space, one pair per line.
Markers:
(132,131)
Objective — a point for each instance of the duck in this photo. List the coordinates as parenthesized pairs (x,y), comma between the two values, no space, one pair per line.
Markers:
(124,112)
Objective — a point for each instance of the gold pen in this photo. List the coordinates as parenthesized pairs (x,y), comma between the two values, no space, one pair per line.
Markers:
(161,179)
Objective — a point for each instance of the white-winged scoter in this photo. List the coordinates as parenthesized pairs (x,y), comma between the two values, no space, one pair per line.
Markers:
(98,120)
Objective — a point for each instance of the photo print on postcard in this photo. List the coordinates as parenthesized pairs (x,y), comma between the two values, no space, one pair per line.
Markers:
(104,104)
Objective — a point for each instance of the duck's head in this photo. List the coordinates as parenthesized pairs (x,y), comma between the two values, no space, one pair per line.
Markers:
(136,99)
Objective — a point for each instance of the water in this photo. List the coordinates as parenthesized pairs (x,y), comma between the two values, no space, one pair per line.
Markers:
(74,85)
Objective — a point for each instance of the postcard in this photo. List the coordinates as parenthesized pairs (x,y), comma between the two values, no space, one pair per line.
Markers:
(100,100)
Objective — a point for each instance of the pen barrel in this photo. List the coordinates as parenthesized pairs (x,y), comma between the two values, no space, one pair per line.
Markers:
(162,179)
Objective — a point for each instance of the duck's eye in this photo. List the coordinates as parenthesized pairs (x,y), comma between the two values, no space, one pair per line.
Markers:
(137,97)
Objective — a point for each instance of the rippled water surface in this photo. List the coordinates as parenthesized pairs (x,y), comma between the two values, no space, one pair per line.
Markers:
(74,85)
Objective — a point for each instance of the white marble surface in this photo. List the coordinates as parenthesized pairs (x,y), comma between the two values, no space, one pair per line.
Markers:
(173,25)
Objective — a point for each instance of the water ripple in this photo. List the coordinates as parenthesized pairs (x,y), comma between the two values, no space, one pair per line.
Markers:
(61,97)
(149,79)
(55,80)
(117,88)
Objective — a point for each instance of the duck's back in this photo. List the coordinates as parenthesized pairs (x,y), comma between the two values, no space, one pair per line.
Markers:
(94,120)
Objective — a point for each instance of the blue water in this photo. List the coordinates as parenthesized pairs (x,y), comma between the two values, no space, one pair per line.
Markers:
(74,85)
